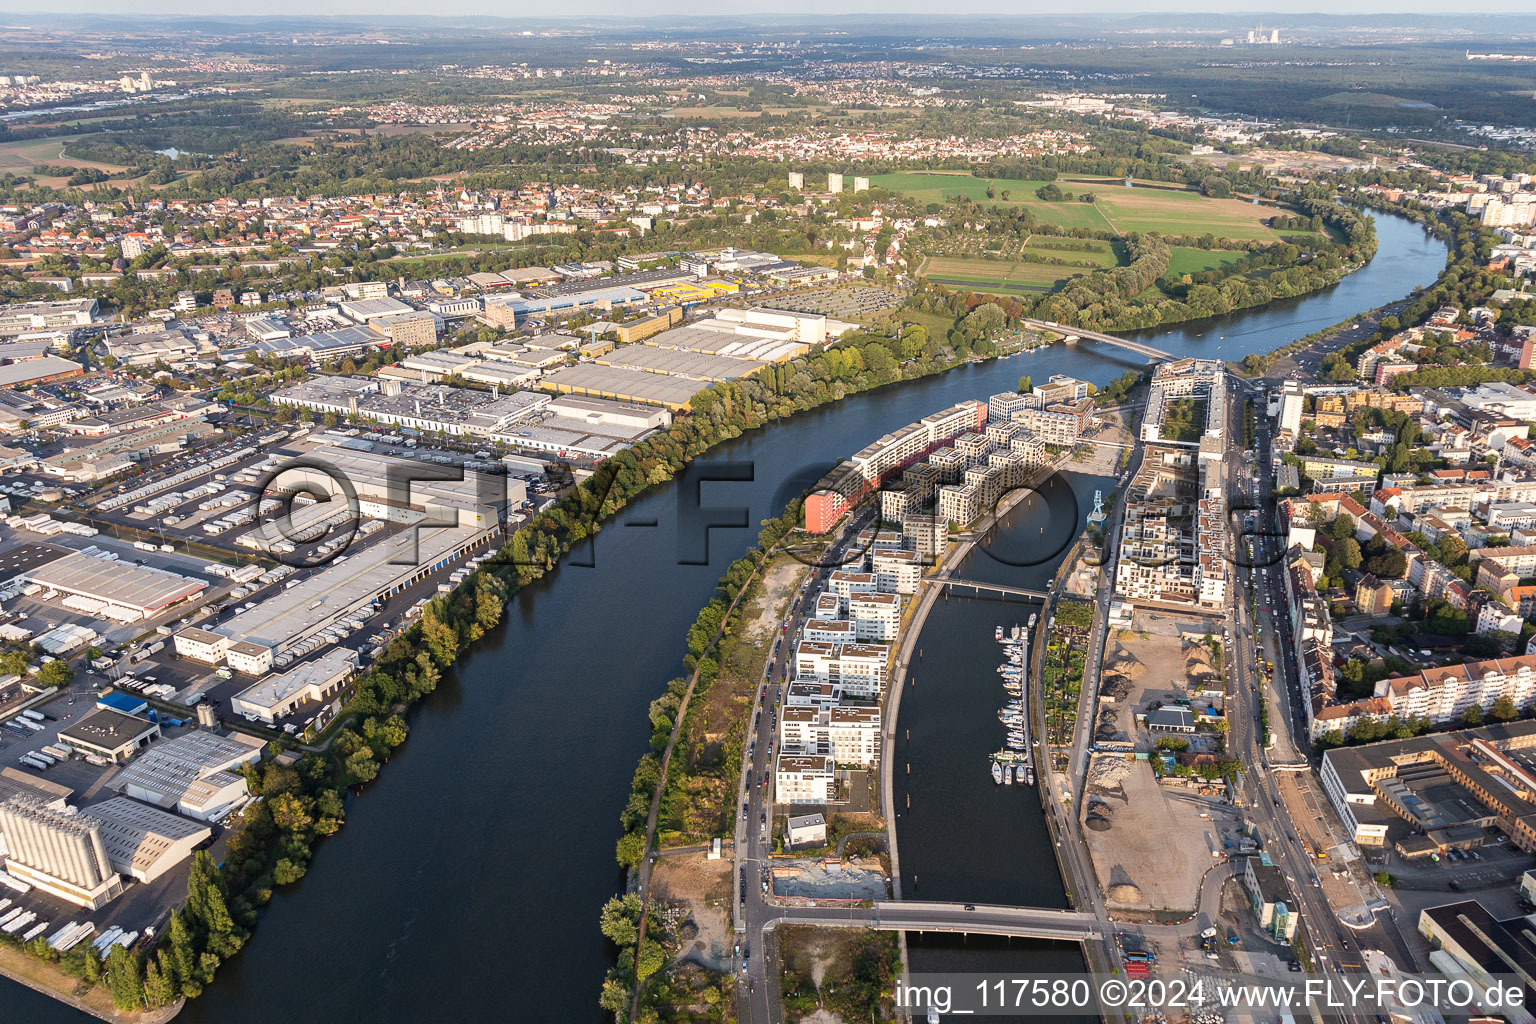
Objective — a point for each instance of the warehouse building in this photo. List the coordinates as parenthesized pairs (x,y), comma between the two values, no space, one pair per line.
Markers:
(113,589)
(143,842)
(110,734)
(347,590)
(401,490)
(38,371)
(18,783)
(1471,941)
(192,774)
(624,384)
(278,696)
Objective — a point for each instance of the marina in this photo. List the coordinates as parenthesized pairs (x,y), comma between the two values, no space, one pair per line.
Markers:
(1013,763)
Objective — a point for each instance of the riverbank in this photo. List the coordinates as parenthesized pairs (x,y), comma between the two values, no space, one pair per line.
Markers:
(96,1000)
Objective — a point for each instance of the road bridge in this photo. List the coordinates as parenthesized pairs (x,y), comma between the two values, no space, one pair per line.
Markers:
(1157,355)
(913,916)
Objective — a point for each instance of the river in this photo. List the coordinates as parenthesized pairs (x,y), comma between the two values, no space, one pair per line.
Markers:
(467,881)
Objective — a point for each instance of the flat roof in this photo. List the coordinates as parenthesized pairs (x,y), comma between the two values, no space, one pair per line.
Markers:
(35,369)
(342,586)
(681,362)
(106,729)
(277,688)
(625,383)
(117,582)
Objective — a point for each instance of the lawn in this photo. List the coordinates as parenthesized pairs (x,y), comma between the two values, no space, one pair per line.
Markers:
(1193,261)
(998,276)
(1119,209)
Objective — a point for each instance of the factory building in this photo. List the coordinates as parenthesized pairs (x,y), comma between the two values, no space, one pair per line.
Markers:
(63,855)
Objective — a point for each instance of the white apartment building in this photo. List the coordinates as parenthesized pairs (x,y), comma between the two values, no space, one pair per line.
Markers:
(858,670)
(804,779)
(875,616)
(845,583)
(830,631)
(1444,694)
(896,572)
(1293,401)
(848,735)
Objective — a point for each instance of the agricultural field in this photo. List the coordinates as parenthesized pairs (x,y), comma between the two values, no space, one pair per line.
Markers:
(1000,277)
(1118,209)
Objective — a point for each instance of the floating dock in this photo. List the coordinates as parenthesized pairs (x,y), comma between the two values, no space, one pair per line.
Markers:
(1014,759)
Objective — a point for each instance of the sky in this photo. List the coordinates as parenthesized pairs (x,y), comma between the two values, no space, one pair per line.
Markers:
(574,9)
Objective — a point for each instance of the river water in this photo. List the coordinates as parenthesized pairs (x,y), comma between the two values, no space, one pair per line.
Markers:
(466,884)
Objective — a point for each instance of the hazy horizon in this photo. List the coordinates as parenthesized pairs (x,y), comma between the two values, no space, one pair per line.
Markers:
(736,8)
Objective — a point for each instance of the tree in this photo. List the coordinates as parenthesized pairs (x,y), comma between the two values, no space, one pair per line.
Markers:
(56,673)
(1472,717)
(126,977)
(286,872)
(361,768)
(1504,709)
(631,849)
(615,995)
(159,990)
(1026,384)
(1342,526)
(619,920)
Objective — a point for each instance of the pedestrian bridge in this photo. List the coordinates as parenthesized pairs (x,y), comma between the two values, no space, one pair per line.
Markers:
(979,588)
(1155,354)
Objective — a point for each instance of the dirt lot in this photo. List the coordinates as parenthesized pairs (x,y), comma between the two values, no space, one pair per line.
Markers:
(1149,844)
(1162,658)
(771,604)
(705,885)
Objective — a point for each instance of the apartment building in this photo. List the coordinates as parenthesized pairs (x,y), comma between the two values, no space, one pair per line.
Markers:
(804,779)
(829,631)
(850,736)
(874,616)
(874,464)
(856,669)
(896,572)
(846,582)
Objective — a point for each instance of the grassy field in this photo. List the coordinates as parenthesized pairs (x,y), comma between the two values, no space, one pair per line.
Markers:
(1193,261)
(999,276)
(1119,209)
(20,156)
(1103,253)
